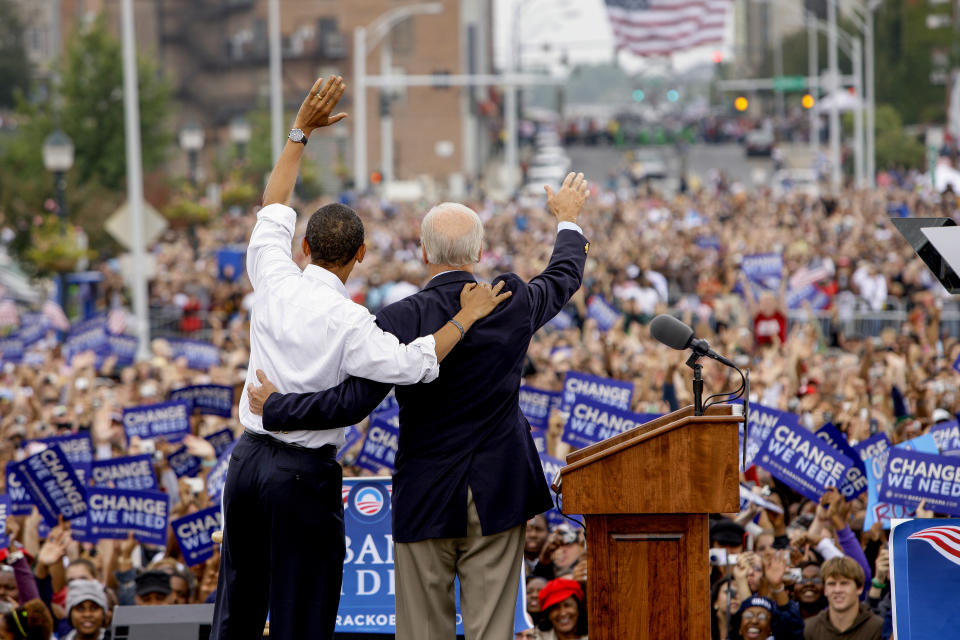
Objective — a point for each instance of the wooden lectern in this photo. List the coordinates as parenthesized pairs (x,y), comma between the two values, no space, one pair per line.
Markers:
(645,495)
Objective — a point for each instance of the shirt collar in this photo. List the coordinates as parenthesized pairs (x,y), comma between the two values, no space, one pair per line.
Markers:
(328,278)
(447,277)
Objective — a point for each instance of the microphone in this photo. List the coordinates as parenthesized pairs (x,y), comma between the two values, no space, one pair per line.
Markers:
(677,335)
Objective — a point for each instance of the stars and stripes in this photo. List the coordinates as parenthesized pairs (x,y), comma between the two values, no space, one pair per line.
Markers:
(944,540)
(9,316)
(54,313)
(117,321)
(662,27)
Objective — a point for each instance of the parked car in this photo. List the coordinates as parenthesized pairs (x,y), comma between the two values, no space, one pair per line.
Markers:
(759,142)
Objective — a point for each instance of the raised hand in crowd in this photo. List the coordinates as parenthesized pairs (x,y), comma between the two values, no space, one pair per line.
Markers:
(566,203)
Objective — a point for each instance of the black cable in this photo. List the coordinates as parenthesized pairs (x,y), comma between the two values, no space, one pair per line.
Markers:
(731,395)
(556,502)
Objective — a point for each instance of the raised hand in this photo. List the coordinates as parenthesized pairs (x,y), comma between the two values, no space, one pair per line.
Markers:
(566,203)
(479,299)
(319,104)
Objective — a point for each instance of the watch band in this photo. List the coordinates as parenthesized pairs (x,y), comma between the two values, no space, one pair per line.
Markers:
(299,136)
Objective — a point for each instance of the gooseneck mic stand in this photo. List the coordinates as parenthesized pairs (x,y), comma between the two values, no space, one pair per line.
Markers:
(694,363)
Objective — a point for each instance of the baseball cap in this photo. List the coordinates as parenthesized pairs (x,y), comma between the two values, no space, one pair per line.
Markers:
(153,582)
(558,590)
(80,591)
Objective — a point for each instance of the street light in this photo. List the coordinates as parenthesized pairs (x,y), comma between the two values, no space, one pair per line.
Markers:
(58,159)
(191,140)
(240,135)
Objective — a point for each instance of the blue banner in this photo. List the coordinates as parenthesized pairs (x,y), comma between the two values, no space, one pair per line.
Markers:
(551,471)
(11,350)
(128,472)
(763,269)
(89,335)
(855,481)
(561,322)
(212,399)
(877,511)
(602,312)
(873,446)
(613,393)
(810,294)
(20,499)
(390,402)
(911,477)
(591,421)
(33,328)
(79,451)
(199,355)
(170,420)
(218,475)
(539,439)
(123,348)
(53,485)
(231,262)
(804,462)
(351,436)
(762,422)
(947,437)
(380,446)
(114,513)
(6,510)
(221,441)
(183,462)
(925,578)
(536,405)
(193,534)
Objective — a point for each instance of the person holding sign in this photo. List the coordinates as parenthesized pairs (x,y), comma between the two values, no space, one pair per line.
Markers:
(307,334)
(468,475)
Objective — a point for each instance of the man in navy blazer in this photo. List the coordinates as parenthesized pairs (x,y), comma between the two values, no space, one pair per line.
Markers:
(467,473)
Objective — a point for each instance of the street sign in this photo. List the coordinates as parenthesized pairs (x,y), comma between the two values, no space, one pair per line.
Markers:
(789,83)
(120,224)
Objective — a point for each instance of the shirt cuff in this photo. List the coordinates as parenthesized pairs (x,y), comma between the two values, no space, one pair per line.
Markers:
(569,226)
(427,345)
(279,214)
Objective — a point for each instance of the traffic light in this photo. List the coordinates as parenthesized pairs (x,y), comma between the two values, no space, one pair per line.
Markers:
(673,95)
(808,101)
(741,103)
(638,95)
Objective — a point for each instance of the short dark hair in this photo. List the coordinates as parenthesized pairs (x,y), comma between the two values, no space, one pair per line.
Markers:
(334,235)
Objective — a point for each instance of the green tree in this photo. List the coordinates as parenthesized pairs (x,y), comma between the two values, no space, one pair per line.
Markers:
(14,66)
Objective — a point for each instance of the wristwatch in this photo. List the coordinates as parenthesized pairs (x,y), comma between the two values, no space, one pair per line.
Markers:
(297,135)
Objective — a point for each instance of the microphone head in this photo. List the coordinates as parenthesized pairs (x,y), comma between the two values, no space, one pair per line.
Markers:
(671,332)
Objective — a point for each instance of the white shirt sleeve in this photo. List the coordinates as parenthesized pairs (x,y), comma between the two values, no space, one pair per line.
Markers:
(269,255)
(370,352)
(572,226)
(827,549)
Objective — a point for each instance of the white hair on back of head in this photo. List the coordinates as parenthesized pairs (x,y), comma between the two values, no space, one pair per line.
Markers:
(442,246)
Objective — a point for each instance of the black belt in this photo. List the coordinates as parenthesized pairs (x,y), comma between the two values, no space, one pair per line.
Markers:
(327,450)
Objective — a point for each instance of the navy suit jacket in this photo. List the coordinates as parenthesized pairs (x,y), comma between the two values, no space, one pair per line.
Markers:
(465,427)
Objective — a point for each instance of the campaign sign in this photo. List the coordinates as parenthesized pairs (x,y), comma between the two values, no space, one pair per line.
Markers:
(855,481)
(193,534)
(551,471)
(878,511)
(218,475)
(921,444)
(199,355)
(956,364)
(873,446)
(6,510)
(212,399)
(803,461)
(183,462)
(809,294)
(11,349)
(170,420)
(560,322)
(764,269)
(221,441)
(54,486)
(613,393)
(536,404)
(925,578)
(539,439)
(591,421)
(33,328)
(231,261)
(380,447)
(351,436)
(602,312)
(123,348)
(89,335)
(20,499)
(114,513)
(911,477)
(79,451)
(129,472)
(947,437)
(761,424)
(390,402)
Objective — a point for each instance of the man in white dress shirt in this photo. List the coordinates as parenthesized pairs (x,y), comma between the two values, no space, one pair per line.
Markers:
(283,537)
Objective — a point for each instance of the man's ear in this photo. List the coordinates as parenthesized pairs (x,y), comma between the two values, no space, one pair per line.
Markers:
(305,247)
(480,253)
(361,252)
(423,252)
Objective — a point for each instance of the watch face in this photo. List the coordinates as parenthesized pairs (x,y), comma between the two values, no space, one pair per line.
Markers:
(296,135)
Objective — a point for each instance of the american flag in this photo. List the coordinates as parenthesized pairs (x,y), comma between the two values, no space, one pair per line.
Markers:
(117,321)
(9,317)
(662,27)
(54,313)
(944,540)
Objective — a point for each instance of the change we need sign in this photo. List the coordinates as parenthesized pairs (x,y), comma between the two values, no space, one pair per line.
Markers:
(536,405)
(855,482)
(947,437)
(762,422)
(380,446)
(20,499)
(602,312)
(763,269)
(912,476)
(170,420)
(210,399)
(806,463)
(128,472)
(199,355)
(53,485)
(114,513)
(613,393)
(78,448)
(217,477)
(183,462)
(6,510)
(591,421)
(193,534)
(220,441)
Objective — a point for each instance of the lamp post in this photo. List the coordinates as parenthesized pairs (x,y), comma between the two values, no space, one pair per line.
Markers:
(240,135)
(191,140)
(58,159)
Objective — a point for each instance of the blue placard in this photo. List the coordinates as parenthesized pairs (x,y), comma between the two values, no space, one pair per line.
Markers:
(193,534)
(123,348)
(873,446)
(128,472)
(200,355)
(855,481)
(351,436)
(763,269)
(6,510)
(20,499)
(390,402)
(956,364)
(211,399)
(218,475)
(925,578)
(804,462)
(809,294)
(79,451)
(613,393)
(33,328)
(53,485)
(591,421)
(911,476)
(536,405)
(602,312)
(89,335)
(539,439)
(170,420)
(183,462)
(561,322)
(762,422)
(221,441)
(551,470)
(231,261)
(11,350)
(380,446)
(709,242)
(878,511)
(114,513)
(947,437)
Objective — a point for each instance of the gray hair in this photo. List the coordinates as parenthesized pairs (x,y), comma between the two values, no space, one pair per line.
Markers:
(455,245)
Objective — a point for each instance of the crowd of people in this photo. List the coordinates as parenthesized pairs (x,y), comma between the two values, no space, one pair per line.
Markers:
(649,255)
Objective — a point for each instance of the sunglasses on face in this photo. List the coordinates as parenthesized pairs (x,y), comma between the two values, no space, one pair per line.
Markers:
(761,616)
(810,581)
